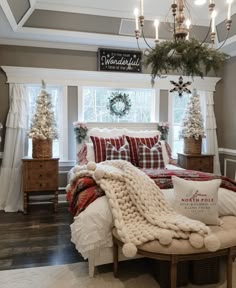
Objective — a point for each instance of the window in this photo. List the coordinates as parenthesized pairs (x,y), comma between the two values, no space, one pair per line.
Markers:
(96,99)
(177,109)
(55,92)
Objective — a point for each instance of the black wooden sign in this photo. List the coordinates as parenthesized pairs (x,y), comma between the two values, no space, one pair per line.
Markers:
(119,60)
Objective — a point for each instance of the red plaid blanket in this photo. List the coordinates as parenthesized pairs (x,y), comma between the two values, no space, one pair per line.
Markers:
(84,190)
(162,177)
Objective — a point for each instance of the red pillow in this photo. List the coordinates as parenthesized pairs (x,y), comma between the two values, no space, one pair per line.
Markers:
(133,146)
(99,146)
(150,157)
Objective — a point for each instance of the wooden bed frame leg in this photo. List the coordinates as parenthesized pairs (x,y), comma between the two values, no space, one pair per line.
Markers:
(229,268)
(173,271)
(115,259)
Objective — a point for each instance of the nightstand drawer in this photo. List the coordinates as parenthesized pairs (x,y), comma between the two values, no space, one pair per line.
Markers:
(40,175)
(202,162)
(199,164)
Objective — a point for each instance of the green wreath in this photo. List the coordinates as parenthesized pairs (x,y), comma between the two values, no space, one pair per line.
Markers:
(119,104)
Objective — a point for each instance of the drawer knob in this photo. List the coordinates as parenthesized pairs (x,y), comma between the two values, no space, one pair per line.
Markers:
(40,184)
(40,165)
(40,175)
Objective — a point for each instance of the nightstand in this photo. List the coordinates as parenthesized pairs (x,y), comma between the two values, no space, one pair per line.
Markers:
(199,162)
(40,175)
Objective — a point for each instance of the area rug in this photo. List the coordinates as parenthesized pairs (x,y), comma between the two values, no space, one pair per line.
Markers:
(76,276)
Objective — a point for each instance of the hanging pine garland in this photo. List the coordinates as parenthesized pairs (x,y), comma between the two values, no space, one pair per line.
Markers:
(119,104)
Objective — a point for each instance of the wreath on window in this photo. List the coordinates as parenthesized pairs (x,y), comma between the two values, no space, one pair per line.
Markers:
(119,104)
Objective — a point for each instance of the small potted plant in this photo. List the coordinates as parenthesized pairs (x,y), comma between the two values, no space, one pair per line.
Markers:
(80,129)
(163,127)
(192,126)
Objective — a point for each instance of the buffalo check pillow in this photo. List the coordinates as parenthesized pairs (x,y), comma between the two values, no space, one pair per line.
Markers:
(150,157)
(112,153)
(99,145)
(133,145)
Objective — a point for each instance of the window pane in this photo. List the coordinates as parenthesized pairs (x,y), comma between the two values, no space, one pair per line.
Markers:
(96,102)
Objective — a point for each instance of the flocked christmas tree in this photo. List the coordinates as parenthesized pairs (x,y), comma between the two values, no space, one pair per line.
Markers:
(192,125)
(43,124)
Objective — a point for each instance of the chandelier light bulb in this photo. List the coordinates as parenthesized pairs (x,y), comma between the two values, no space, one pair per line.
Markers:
(188,23)
(156,25)
(213,19)
(136,13)
(141,7)
(229,9)
(199,2)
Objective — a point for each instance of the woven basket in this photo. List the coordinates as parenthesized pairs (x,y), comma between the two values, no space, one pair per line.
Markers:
(205,271)
(42,148)
(192,146)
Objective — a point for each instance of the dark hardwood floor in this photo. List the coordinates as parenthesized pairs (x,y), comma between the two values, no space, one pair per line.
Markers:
(39,238)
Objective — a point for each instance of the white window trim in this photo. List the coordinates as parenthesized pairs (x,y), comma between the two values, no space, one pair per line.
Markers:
(65,77)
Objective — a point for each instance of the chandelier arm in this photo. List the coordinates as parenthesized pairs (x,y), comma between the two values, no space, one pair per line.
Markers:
(146,41)
(227,35)
(208,32)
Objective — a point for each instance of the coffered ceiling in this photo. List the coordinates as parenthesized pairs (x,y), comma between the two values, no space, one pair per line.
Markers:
(89,24)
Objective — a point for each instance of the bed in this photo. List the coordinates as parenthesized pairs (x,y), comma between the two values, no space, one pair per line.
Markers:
(91,229)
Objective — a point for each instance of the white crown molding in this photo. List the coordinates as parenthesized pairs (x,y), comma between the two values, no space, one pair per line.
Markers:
(226,151)
(79,77)
(27,14)
(48,44)
(10,17)
(83,10)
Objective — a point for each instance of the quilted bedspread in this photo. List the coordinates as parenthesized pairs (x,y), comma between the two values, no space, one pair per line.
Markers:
(84,190)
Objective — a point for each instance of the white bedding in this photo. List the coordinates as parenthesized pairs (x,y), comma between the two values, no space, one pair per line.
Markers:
(92,228)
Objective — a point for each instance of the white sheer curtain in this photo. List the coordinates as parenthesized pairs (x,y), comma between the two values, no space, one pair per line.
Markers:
(11,194)
(211,143)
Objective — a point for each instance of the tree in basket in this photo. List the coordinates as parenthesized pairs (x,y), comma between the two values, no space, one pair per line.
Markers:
(193,129)
(43,128)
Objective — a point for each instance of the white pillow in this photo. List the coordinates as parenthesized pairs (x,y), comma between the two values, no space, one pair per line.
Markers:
(141,133)
(197,200)
(164,153)
(105,132)
(90,152)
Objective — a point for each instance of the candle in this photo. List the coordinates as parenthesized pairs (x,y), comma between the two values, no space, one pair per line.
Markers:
(141,7)
(229,9)
(156,24)
(136,18)
(213,18)
(188,23)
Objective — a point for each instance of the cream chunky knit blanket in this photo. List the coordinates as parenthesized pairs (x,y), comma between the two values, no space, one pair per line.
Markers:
(139,209)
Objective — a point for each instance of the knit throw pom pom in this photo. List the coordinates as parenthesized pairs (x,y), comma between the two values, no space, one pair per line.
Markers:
(76,169)
(212,243)
(129,250)
(165,237)
(67,187)
(98,174)
(91,165)
(196,240)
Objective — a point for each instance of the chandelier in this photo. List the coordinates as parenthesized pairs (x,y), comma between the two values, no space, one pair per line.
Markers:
(183,53)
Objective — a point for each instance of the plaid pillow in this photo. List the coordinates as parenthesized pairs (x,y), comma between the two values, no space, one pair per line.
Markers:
(99,146)
(133,145)
(150,157)
(113,154)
